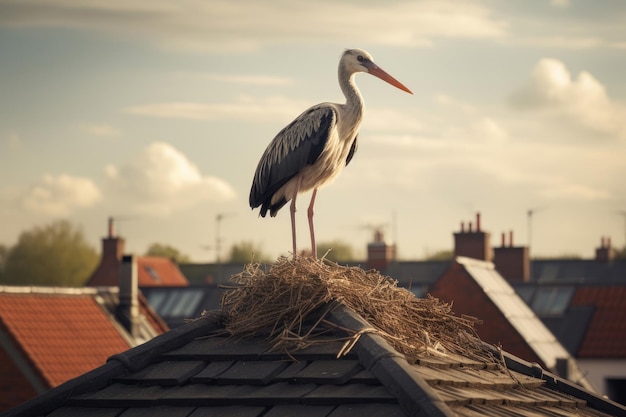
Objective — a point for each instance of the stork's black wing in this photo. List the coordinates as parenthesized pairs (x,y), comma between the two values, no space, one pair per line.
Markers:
(299,144)
(353,149)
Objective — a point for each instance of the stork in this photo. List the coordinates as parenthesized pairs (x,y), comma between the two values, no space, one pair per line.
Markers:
(313,149)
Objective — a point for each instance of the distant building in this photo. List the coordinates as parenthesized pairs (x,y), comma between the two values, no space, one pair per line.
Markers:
(153,271)
(581,302)
(49,335)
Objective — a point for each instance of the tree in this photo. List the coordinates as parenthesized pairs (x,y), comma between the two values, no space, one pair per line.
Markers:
(340,251)
(246,252)
(442,255)
(167,251)
(4,253)
(53,255)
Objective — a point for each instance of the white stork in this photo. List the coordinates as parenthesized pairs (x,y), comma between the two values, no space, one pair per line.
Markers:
(313,149)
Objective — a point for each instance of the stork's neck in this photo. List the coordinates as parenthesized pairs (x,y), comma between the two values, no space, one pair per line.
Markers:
(354,100)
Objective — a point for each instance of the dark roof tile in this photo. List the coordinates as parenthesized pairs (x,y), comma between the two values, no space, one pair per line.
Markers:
(349,393)
(252,372)
(166,373)
(122,395)
(156,411)
(365,377)
(328,371)
(220,348)
(212,371)
(373,380)
(366,410)
(300,410)
(207,395)
(278,393)
(83,411)
(289,374)
(229,411)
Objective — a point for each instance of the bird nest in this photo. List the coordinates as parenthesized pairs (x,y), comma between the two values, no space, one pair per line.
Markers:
(288,305)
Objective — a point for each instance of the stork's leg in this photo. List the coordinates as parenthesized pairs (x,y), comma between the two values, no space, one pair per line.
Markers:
(311,228)
(292,209)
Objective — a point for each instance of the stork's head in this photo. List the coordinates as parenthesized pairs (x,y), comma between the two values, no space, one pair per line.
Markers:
(358,60)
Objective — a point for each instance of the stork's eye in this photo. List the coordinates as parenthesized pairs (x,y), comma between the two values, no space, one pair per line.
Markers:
(360,58)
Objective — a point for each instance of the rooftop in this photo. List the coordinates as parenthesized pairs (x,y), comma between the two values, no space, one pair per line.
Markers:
(196,370)
(42,323)
(314,355)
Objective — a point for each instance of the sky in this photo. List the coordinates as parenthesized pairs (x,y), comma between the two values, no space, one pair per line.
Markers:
(156,112)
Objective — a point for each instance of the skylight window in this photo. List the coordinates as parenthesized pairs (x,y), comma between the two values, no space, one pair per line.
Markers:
(153,273)
(551,301)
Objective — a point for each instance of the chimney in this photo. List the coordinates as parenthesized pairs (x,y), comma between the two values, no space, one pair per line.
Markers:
(128,307)
(379,253)
(605,253)
(473,243)
(512,262)
(106,274)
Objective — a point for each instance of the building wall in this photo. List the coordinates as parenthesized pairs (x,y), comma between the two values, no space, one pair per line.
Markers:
(14,387)
(457,287)
(599,371)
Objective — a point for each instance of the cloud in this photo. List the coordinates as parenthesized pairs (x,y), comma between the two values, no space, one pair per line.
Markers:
(582,100)
(249,79)
(485,130)
(245,108)
(247,24)
(560,3)
(454,103)
(13,141)
(575,192)
(391,121)
(104,130)
(161,180)
(60,195)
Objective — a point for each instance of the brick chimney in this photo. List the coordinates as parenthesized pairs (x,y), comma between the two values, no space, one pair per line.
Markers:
(473,243)
(512,262)
(127,310)
(379,253)
(107,273)
(605,253)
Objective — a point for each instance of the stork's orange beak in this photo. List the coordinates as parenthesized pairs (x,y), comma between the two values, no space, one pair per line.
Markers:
(376,71)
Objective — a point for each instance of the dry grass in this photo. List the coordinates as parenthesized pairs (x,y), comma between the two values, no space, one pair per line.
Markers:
(288,304)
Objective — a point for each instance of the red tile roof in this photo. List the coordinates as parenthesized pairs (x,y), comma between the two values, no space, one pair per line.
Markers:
(605,334)
(152,271)
(62,335)
(158,271)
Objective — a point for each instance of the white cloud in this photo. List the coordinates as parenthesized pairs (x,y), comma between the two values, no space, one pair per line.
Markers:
(583,100)
(13,141)
(567,42)
(392,120)
(102,129)
(560,3)
(60,195)
(161,180)
(575,192)
(484,130)
(275,108)
(454,103)
(244,25)
(249,79)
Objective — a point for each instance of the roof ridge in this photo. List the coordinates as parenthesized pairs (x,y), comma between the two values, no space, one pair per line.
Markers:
(40,289)
(414,394)
(557,383)
(140,356)
(464,260)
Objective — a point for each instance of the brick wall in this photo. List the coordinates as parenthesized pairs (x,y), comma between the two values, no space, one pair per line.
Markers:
(14,387)
(457,287)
